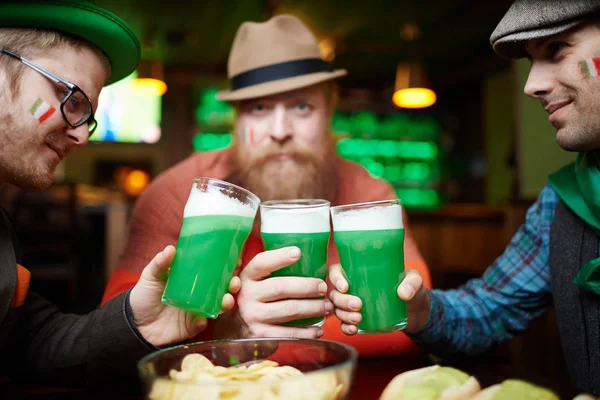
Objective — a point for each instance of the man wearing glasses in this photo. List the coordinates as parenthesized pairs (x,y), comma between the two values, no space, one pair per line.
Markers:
(55,57)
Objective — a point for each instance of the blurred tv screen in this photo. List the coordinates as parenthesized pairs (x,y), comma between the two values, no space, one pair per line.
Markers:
(125,115)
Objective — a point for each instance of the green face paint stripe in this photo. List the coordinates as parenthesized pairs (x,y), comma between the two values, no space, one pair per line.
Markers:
(35,106)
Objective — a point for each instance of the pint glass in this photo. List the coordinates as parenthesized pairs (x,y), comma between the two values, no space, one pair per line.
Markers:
(370,238)
(217,220)
(304,224)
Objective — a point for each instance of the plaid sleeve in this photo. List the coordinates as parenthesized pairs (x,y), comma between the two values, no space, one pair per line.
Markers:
(513,291)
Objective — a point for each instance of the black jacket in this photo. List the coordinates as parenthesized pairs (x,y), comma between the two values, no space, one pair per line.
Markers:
(38,343)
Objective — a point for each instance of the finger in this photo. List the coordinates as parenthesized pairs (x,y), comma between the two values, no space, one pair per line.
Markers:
(155,271)
(198,325)
(287,332)
(282,311)
(266,262)
(337,279)
(349,330)
(228,303)
(350,318)
(410,286)
(289,287)
(345,302)
(235,285)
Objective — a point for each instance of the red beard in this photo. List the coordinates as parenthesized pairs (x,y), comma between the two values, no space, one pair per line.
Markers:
(287,171)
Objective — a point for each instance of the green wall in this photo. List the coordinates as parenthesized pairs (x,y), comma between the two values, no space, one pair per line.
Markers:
(499,130)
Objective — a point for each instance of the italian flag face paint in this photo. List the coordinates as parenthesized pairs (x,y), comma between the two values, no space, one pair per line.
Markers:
(41,110)
(249,135)
(590,67)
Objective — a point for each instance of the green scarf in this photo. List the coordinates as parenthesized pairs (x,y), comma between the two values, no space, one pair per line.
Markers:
(578,186)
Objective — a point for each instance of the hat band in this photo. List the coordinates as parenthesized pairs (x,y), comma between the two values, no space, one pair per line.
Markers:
(274,72)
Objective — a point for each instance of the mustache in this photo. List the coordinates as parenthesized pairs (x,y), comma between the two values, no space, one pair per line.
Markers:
(556,97)
(272,150)
(58,142)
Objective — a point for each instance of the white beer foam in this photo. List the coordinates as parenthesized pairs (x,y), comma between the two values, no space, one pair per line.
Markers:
(369,219)
(297,220)
(213,202)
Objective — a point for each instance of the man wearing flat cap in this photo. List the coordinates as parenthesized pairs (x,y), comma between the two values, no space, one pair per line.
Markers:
(284,95)
(55,57)
(553,260)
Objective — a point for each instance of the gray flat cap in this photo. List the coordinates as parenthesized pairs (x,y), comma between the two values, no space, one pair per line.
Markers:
(534,19)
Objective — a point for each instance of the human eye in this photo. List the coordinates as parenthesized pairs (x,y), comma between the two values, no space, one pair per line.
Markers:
(555,49)
(259,108)
(302,108)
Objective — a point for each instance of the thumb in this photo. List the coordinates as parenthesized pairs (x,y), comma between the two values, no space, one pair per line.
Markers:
(156,270)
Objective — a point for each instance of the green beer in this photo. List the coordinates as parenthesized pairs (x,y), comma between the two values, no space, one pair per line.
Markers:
(370,241)
(218,218)
(304,224)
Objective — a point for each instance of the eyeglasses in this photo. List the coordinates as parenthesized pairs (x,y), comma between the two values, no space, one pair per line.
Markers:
(76,107)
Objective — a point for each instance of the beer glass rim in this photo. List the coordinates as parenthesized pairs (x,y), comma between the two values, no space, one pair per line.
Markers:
(370,204)
(227,186)
(295,204)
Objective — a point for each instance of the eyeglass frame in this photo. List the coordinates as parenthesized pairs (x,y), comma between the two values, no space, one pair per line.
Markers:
(90,120)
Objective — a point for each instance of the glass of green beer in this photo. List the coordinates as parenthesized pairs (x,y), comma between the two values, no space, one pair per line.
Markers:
(304,224)
(370,239)
(217,220)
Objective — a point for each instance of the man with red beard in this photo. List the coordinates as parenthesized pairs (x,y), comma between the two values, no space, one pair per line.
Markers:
(285,97)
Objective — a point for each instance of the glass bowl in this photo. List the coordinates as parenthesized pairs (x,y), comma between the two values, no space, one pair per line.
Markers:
(327,370)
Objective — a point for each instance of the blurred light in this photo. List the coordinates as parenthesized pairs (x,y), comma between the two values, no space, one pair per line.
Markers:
(357,148)
(411,89)
(132,181)
(211,141)
(327,49)
(213,113)
(418,198)
(410,31)
(150,79)
(414,98)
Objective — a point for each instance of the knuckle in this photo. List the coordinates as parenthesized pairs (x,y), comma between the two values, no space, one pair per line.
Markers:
(333,296)
(276,287)
(292,308)
(289,333)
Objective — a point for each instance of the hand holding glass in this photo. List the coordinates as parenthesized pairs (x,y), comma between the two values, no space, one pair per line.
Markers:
(370,240)
(301,223)
(217,220)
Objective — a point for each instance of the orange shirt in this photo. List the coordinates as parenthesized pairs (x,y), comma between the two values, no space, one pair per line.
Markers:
(157,217)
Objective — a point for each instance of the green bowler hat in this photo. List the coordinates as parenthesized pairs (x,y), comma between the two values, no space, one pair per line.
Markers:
(80,18)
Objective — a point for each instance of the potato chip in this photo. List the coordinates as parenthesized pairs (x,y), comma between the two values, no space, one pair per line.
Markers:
(193,362)
(161,389)
(262,364)
(263,380)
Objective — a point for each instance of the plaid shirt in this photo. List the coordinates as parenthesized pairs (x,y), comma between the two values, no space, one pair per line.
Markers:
(513,291)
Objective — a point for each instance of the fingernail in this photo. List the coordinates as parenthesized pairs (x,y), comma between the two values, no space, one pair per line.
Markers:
(294,252)
(322,288)
(320,332)
(408,291)
(340,286)
(328,305)
(353,304)
(201,322)
(354,319)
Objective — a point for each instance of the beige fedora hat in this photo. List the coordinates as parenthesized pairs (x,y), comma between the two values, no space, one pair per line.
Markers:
(273,57)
